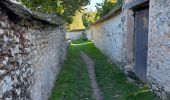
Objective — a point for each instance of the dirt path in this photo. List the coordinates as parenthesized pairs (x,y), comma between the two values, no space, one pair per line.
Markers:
(90,66)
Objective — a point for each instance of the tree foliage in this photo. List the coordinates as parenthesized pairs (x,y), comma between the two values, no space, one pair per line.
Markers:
(65,8)
(89,18)
(105,7)
(77,22)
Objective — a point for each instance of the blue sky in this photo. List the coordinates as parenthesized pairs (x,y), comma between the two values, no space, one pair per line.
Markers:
(93,3)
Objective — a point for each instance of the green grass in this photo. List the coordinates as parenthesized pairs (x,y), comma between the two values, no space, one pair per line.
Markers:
(73,82)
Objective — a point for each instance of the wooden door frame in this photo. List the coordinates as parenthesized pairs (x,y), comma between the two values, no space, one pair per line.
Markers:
(135,3)
(132,7)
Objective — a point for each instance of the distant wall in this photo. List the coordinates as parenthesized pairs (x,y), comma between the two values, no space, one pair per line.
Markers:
(107,36)
(74,35)
(31,55)
(89,34)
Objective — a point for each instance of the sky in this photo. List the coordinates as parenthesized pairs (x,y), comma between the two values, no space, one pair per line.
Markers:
(93,3)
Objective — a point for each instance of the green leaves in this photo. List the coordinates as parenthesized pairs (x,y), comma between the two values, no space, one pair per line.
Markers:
(76,23)
(89,18)
(105,7)
(65,8)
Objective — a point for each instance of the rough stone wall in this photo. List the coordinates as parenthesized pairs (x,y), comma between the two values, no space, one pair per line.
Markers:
(16,71)
(89,34)
(48,53)
(75,35)
(107,36)
(31,54)
(128,59)
(118,43)
(128,34)
(159,47)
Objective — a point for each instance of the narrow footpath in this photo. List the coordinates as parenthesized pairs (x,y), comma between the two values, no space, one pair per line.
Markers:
(87,74)
(90,67)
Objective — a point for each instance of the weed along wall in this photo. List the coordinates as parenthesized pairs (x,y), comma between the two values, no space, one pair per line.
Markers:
(32,50)
(138,37)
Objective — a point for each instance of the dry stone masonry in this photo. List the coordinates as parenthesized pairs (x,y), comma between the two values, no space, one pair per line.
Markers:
(32,51)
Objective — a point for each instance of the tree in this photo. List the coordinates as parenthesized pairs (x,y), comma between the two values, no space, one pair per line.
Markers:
(65,8)
(105,7)
(77,22)
(88,18)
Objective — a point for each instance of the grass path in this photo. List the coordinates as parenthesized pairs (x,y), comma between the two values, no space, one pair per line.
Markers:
(90,67)
(73,82)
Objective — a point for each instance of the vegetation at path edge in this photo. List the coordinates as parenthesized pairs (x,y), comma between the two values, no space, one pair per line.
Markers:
(73,82)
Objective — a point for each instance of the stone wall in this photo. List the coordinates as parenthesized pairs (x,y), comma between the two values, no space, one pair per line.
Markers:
(31,55)
(115,38)
(89,34)
(74,35)
(107,36)
(128,34)
(159,47)
(48,53)
(128,42)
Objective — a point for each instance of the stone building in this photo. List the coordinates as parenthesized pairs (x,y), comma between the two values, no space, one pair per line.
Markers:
(136,35)
(32,50)
(75,34)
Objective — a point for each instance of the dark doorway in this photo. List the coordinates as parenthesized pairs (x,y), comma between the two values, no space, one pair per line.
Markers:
(141,42)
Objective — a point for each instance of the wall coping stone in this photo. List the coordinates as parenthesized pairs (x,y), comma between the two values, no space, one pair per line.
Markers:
(112,13)
(25,13)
